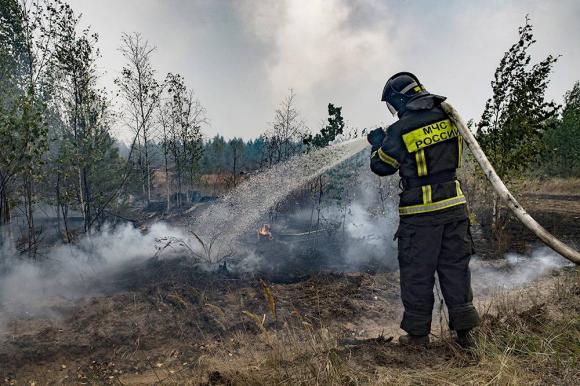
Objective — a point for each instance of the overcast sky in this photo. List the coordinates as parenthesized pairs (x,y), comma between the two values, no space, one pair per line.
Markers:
(241,57)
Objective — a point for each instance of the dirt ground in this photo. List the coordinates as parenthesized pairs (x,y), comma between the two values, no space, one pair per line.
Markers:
(181,315)
(168,323)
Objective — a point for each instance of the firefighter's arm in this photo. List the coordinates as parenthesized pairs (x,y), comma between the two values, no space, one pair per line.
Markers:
(386,157)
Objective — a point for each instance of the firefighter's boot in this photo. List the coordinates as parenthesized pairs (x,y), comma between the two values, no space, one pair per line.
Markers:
(465,338)
(414,340)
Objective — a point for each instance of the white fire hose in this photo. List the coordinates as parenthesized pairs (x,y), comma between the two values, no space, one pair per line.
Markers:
(500,188)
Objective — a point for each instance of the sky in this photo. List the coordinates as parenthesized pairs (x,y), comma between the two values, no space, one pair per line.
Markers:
(241,57)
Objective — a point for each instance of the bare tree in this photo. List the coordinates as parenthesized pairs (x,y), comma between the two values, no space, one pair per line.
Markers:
(141,92)
(284,139)
(184,117)
(164,119)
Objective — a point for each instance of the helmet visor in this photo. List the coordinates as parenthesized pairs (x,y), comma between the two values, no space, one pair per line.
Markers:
(391,108)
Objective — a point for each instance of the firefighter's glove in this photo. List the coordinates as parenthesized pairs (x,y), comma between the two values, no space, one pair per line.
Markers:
(376,136)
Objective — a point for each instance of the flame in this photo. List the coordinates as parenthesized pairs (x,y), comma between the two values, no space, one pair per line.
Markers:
(265,231)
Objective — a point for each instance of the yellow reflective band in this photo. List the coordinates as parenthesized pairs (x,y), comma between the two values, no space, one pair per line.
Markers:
(427,199)
(425,208)
(373,154)
(429,135)
(388,159)
(460,151)
(421,163)
(458,188)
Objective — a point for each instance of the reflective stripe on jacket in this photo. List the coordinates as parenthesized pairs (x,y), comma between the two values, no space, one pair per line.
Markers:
(422,145)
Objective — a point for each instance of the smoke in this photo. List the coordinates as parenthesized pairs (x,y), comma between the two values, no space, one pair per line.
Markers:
(374,221)
(332,39)
(516,270)
(71,272)
(327,50)
(350,229)
(347,239)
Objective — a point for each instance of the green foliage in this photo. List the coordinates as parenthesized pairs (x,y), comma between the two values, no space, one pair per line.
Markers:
(23,131)
(218,155)
(562,155)
(23,136)
(214,155)
(83,112)
(12,49)
(55,142)
(254,153)
(517,115)
(329,132)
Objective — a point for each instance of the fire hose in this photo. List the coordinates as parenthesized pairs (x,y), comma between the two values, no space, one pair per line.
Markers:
(500,188)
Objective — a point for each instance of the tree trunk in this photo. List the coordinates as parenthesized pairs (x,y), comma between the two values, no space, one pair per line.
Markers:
(30,216)
(504,193)
(58,202)
(5,211)
(4,203)
(86,200)
(147,168)
(320,192)
(141,167)
(495,210)
(235,161)
(87,203)
(64,209)
(82,195)
(167,184)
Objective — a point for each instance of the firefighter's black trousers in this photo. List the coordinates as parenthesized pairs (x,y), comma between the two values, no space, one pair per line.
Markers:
(424,250)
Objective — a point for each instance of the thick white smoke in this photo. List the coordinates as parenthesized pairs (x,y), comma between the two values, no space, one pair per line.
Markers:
(69,272)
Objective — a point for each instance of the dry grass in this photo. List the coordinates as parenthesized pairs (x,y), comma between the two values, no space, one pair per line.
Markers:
(565,186)
(527,337)
(231,337)
(474,179)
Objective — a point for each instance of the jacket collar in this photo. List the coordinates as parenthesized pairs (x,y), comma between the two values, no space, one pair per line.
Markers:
(422,102)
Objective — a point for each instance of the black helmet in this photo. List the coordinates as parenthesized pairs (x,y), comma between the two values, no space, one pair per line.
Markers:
(399,90)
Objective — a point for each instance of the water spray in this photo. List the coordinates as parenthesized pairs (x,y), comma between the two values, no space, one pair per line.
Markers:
(240,209)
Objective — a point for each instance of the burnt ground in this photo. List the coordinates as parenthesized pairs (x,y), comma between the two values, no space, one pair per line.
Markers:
(167,321)
(178,314)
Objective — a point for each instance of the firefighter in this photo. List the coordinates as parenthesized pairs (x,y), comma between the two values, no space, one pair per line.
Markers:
(433,235)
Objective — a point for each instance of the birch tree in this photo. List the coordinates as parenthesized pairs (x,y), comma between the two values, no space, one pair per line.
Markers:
(140,91)
(186,116)
(87,155)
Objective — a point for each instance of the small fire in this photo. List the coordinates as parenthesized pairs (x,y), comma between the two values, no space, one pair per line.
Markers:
(265,231)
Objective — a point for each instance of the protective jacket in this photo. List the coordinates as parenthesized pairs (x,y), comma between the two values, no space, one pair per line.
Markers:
(426,148)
